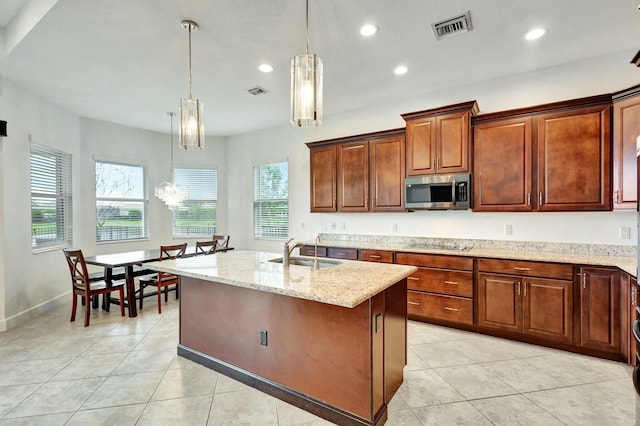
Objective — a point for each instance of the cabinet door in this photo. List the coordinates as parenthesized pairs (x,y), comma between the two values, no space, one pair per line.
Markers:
(452,143)
(387,174)
(353,177)
(499,302)
(323,179)
(626,129)
(574,149)
(600,309)
(633,304)
(421,135)
(502,166)
(548,308)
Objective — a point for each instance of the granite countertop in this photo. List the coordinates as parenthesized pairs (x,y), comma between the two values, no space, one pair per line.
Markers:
(623,257)
(346,284)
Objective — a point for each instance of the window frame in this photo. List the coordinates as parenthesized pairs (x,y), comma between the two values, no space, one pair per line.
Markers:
(203,200)
(144,201)
(257,168)
(63,195)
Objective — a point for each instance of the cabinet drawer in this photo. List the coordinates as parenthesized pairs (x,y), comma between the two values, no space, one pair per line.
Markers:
(527,269)
(342,253)
(376,256)
(311,251)
(435,261)
(456,283)
(449,308)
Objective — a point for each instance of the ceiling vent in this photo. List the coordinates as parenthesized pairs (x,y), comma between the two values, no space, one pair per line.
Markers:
(452,26)
(257,90)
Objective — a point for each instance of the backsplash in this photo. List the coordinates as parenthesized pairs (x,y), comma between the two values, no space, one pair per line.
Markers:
(466,244)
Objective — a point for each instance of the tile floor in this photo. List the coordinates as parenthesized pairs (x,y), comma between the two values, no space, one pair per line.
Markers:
(122,371)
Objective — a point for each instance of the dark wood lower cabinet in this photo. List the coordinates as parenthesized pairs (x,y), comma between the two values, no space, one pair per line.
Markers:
(600,309)
(548,309)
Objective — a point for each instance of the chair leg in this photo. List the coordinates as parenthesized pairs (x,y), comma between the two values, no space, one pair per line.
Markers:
(121,301)
(141,289)
(87,312)
(166,294)
(106,299)
(74,306)
(159,301)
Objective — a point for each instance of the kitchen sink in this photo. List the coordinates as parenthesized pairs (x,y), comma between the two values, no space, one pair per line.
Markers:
(302,261)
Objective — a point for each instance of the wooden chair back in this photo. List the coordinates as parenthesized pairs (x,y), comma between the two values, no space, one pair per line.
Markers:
(172,251)
(77,268)
(223,240)
(206,247)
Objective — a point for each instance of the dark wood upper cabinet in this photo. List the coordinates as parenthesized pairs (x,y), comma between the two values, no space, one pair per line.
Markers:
(367,175)
(554,157)
(438,140)
(323,163)
(502,179)
(626,129)
(387,171)
(574,160)
(353,177)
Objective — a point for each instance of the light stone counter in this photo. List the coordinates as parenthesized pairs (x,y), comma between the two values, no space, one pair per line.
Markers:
(623,257)
(347,284)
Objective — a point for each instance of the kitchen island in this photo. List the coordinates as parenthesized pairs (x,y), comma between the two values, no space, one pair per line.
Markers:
(331,340)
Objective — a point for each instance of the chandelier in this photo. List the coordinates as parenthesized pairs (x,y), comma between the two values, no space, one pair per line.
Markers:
(169,192)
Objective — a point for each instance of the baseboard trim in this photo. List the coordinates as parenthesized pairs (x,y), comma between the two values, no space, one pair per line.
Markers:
(42,308)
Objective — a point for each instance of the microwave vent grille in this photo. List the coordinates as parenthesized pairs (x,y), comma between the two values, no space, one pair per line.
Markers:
(452,26)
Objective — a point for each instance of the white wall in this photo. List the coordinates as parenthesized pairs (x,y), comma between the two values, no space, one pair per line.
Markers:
(595,76)
(32,283)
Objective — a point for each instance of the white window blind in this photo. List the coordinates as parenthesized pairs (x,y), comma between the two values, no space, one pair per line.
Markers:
(196,215)
(51,201)
(271,200)
(121,205)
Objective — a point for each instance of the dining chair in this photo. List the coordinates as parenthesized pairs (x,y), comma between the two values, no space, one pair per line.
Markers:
(84,286)
(206,247)
(162,279)
(223,241)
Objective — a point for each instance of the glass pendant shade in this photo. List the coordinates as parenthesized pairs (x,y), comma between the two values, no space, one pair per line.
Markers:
(191,127)
(171,194)
(306,90)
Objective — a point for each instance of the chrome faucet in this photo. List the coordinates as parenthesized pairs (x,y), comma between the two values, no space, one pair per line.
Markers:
(315,260)
(286,251)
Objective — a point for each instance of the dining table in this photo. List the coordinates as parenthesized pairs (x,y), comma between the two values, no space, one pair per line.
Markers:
(133,264)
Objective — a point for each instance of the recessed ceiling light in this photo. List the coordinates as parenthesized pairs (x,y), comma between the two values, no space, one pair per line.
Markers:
(534,34)
(368,30)
(265,68)
(401,69)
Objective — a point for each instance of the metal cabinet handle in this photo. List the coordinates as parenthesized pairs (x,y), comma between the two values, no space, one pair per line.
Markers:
(451,282)
(374,256)
(633,296)
(446,308)
(528,198)
(525,289)
(518,284)
(413,278)
(584,280)
(540,199)
(519,268)
(413,303)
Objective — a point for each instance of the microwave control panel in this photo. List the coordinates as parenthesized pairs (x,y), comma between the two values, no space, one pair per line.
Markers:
(462,192)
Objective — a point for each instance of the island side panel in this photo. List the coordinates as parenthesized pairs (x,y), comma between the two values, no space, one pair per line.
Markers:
(395,337)
(321,350)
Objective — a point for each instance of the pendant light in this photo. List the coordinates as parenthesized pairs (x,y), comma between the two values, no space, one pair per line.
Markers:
(191,130)
(169,192)
(306,87)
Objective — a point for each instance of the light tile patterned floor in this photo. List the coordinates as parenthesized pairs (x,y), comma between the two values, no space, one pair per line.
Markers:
(122,371)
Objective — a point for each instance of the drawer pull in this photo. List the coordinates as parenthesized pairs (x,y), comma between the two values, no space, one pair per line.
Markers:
(413,278)
(341,253)
(413,303)
(374,256)
(446,308)
(451,282)
(518,268)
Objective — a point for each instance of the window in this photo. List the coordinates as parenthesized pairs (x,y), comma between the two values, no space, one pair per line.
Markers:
(121,205)
(196,215)
(271,200)
(51,203)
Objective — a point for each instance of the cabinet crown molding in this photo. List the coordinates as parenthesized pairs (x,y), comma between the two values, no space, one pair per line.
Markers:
(464,106)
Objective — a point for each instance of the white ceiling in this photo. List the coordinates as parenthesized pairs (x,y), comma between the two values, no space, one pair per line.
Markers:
(126,61)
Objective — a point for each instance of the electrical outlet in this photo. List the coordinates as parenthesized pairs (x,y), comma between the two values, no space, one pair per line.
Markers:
(394,227)
(508,230)
(625,233)
(263,337)
(343,226)
(301,225)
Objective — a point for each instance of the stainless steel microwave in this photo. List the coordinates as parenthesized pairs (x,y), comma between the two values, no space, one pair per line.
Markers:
(438,192)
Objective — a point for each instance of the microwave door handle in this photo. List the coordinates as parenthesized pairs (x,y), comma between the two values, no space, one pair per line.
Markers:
(453,193)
